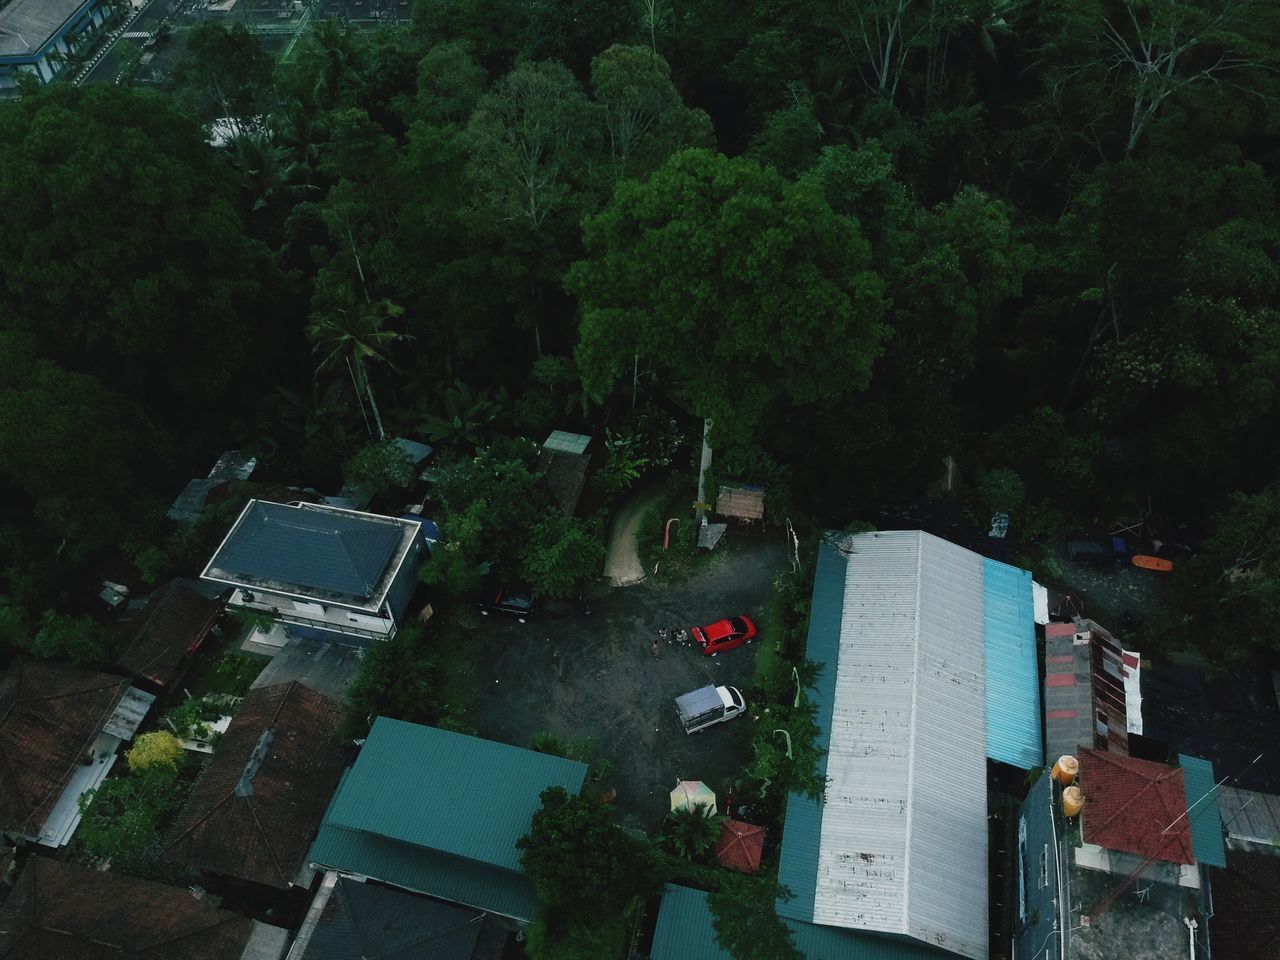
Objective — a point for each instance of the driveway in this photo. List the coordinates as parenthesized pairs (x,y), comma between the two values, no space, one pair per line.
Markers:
(595,676)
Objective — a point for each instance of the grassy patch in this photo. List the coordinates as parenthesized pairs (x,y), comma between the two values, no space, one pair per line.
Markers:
(231,674)
(683,558)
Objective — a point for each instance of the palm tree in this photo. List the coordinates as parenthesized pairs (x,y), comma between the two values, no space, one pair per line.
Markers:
(266,172)
(332,57)
(692,830)
(347,331)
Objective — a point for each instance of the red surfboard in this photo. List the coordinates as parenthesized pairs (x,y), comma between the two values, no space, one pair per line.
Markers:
(1152,563)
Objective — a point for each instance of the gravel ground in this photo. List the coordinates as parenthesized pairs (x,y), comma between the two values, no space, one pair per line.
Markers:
(595,676)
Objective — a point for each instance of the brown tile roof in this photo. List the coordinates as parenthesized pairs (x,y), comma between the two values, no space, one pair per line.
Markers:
(256,821)
(1246,902)
(174,622)
(745,502)
(50,714)
(61,911)
(1135,806)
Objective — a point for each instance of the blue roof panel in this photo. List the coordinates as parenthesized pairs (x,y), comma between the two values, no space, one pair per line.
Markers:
(1203,811)
(1012,673)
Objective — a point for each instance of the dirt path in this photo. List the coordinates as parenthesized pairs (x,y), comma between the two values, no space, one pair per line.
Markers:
(621,562)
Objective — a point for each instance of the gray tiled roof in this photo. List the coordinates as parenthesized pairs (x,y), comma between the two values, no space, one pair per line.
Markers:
(310,551)
(27,25)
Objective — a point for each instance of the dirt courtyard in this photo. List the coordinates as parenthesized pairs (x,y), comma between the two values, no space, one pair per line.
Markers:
(595,676)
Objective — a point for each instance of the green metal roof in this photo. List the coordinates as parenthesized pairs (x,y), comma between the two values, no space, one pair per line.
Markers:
(445,791)
(486,887)
(802,832)
(686,931)
(440,813)
(1205,817)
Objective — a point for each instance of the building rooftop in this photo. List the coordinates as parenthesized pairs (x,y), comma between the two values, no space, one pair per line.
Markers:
(27,26)
(420,808)
(1203,812)
(313,552)
(349,919)
(50,715)
(686,931)
(60,910)
(258,803)
(174,622)
(1250,818)
(1135,806)
(897,846)
(1246,900)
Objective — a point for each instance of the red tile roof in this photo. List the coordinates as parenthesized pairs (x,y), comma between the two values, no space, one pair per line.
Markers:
(740,846)
(174,622)
(1135,806)
(257,822)
(69,912)
(50,714)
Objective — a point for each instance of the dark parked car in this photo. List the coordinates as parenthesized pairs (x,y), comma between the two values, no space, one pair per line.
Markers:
(1091,552)
(513,601)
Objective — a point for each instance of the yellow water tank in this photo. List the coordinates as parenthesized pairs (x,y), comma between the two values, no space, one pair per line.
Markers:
(1065,770)
(1072,801)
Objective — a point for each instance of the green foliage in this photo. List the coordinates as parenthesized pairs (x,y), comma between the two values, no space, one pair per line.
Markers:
(125,816)
(586,750)
(581,863)
(78,639)
(224,73)
(410,677)
(701,266)
(999,490)
(561,555)
(190,719)
(234,673)
(1230,589)
(622,466)
(379,467)
(158,749)
(692,831)
(746,921)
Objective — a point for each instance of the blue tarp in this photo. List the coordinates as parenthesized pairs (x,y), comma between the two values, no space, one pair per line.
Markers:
(1013,681)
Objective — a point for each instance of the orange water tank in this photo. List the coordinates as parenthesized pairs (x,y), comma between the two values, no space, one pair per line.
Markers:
(1065,770)
(1072,801)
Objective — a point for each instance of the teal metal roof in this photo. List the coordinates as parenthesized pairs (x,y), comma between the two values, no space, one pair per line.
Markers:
(1205,817)
(445,791)
(686,931)
(1012,672)
(440,813)
(802,831)
(495,889)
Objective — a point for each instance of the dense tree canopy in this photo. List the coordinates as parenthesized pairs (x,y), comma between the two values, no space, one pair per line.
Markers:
(858,237)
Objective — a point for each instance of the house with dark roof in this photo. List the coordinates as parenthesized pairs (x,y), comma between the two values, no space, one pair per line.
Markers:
(1092,693)
(60,729)
(256,806)
(38,37)
(439,813)
(57,910)
(173,624)
(1129,874)
(319,571)
(350,918)
(562,463)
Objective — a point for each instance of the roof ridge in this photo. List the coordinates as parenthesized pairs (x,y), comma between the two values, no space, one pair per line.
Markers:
(201,931)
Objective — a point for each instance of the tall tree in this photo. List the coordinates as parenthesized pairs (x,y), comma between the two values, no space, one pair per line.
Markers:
(347,332)
(719,273)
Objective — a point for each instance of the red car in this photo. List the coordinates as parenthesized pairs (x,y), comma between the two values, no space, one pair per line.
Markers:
(724,635)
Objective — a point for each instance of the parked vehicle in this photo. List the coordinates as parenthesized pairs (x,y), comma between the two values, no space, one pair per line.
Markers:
(512,601)
(1091,552)
(724,635)
(709,705)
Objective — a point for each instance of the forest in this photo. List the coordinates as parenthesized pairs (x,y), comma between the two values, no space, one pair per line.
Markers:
(857,237)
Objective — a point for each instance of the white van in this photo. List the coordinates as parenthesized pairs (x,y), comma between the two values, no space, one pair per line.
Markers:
(708,705)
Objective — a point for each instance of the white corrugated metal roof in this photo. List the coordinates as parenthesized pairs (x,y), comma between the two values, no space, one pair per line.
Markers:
(904,822)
